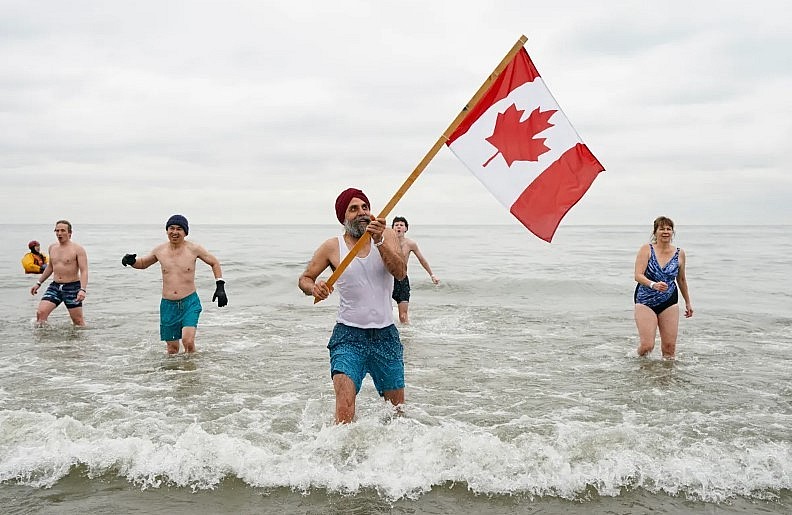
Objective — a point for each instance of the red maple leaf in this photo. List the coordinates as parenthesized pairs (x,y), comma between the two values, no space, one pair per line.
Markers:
(515,139)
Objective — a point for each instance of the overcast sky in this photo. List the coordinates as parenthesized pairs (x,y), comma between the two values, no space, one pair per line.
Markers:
(254,111)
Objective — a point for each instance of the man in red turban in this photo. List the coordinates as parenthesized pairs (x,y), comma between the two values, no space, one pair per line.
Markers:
(343,200)
(365,339)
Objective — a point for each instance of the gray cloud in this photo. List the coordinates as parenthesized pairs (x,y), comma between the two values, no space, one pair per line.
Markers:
(252,112)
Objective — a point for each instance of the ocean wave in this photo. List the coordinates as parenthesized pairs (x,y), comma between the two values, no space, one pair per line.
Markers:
(399,457)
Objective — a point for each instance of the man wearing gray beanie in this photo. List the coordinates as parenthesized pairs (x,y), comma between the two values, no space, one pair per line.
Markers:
(180,306)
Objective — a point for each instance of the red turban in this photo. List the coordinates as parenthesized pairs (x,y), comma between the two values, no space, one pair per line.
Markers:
(343,200)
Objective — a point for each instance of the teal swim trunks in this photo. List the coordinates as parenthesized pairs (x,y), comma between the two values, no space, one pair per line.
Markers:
(177,314)
(378,352)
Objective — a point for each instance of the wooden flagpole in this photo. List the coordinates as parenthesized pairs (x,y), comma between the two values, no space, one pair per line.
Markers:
(427,158)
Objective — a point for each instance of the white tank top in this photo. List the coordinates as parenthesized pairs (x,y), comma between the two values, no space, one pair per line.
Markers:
(365,290)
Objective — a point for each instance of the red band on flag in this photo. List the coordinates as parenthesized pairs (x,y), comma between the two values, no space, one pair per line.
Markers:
(519,71)
(547,199)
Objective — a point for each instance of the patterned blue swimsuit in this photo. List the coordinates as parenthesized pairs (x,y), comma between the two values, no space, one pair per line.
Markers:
(667,274)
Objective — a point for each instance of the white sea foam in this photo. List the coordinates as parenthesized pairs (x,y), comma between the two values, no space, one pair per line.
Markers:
(401,458)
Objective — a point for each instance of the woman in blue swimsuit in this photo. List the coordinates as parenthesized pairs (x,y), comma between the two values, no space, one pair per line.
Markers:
(660,274)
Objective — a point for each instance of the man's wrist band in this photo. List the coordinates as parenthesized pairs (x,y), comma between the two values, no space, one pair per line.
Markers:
(379,243)
(83,290)
(651,285)
(38,283)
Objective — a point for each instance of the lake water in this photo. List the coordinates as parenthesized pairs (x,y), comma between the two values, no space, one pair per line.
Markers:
(524,393)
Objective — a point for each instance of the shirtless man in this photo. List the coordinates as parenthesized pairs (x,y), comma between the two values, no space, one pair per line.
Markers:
(69,268)
(401,289)
(180,306)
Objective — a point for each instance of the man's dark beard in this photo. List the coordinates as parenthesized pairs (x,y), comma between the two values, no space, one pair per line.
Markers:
(357,227)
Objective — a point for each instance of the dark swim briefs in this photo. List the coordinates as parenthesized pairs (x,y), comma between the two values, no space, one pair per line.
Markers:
(66,293)
(401,290)
(674,299)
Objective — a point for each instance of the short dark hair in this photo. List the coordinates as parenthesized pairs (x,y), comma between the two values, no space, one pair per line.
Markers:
(400,219)
(68,223)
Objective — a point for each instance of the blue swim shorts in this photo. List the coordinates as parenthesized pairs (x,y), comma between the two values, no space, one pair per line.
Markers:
(177,314)
(401,290)
(66,293)
(378,352)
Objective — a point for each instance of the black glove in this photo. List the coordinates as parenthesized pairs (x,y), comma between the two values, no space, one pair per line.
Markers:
(129,259)
(220,294)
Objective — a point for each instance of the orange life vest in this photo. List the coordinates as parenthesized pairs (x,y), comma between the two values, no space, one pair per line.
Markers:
(34,263)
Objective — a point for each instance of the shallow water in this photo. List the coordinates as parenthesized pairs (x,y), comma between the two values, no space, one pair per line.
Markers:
(524,393)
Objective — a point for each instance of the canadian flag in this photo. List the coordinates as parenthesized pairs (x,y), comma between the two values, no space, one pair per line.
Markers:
(519,144)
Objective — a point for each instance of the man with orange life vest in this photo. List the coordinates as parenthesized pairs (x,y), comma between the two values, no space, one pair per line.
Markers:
(34,262)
